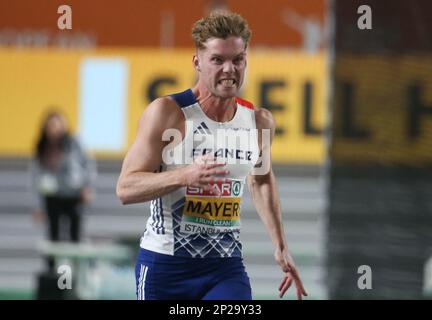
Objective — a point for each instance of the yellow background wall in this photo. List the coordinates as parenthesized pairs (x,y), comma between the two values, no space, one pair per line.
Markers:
(33,80)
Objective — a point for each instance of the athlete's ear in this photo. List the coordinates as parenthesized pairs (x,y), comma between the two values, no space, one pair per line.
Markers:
(195,62)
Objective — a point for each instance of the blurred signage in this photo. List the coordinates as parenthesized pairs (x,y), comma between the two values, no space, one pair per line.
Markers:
(291,85)
(383,110)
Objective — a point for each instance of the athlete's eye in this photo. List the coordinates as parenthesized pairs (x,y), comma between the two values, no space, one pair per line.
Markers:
(216,60)
(238,60)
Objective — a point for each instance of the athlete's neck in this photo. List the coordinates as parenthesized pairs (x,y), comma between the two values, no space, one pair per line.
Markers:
(216,108)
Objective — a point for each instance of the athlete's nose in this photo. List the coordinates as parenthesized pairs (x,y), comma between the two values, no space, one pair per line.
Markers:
(228,67)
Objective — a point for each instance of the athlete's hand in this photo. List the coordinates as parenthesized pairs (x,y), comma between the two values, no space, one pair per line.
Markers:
(204,172)
(288,266)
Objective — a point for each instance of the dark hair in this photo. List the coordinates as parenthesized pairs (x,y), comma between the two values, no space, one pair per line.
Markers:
(43,145)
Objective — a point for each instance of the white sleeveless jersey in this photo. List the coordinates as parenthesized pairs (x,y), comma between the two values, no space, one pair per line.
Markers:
(191,222)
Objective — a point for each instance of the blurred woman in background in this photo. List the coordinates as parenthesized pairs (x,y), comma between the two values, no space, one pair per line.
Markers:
(61,176)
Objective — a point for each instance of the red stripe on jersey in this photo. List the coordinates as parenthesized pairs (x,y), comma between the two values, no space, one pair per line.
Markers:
(244,103)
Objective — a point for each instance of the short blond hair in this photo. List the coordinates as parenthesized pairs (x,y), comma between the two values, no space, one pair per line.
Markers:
(220,24)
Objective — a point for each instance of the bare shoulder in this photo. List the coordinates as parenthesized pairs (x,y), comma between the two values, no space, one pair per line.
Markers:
(162,112)
(264,118)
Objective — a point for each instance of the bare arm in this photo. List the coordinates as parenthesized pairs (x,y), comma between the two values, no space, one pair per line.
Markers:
(139,179)
(265,197)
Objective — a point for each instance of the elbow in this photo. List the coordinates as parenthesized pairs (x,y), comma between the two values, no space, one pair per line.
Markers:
(122,194)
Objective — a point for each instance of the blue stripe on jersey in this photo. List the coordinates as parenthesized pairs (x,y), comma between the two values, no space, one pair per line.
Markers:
(157,216)
(155,203)
(153,216)
(156,212)
(162,216)
(185,98)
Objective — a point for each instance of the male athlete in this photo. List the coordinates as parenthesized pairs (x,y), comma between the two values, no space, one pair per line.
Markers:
(191,248)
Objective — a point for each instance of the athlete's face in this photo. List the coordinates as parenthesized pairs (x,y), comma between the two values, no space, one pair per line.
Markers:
(221,65)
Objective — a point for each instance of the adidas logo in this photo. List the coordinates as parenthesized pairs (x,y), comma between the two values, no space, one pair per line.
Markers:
(202,128)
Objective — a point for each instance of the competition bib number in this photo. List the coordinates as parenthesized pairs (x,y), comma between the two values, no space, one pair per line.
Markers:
(204,212)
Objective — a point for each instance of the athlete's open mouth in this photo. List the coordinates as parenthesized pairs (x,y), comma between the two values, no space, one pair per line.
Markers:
(227,82)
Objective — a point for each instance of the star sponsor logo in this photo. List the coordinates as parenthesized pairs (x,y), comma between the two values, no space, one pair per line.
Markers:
(230,188)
